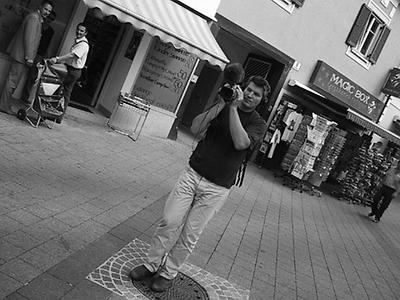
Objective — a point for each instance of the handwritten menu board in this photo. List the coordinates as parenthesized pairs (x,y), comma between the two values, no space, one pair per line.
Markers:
(12,12)
(164,75)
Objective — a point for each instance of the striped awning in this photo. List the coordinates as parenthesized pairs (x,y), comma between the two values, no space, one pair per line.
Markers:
(169,21)
(370,125)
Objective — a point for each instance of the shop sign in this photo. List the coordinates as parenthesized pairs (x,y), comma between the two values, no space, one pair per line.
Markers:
(392,84)
(334,84)
(164,75)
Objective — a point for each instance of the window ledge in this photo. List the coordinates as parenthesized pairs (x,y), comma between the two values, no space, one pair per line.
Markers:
(358,58)
(379,12)
(288,7)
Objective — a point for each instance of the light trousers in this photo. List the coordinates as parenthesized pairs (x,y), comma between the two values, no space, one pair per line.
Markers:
(190,205)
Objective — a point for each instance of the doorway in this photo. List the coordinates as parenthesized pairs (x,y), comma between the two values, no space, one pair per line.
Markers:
(104,33)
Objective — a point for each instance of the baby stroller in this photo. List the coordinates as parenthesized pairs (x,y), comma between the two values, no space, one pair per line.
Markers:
(46,97)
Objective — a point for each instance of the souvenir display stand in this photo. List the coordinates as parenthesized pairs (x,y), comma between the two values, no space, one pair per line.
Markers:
(364,176)
(291,154)
(305,151)
(329,154)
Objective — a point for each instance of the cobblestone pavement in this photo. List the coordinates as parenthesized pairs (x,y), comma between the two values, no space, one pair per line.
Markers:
(73,196)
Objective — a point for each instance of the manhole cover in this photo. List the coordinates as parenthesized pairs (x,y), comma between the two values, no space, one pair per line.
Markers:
(182,287)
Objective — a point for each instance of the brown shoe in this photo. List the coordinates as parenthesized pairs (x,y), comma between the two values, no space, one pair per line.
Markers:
(160,284)
(140,273)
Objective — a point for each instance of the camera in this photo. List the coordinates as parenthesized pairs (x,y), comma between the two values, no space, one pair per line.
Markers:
(228,94)
(233,75)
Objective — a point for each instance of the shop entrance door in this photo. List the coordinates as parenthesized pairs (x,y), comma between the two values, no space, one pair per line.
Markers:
(104,34)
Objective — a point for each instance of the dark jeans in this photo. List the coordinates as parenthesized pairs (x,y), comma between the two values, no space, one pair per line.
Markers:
(69,83)
(385,194)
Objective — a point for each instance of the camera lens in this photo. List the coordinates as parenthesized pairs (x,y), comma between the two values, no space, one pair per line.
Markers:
(227,93)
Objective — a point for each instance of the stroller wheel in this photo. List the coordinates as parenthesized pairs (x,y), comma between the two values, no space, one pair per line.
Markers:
(21,114)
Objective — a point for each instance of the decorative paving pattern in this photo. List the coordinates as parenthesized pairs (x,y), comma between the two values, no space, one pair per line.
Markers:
(182,287)
(113,275)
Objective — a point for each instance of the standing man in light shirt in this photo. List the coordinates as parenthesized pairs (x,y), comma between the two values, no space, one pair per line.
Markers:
(23,49)
(75,61)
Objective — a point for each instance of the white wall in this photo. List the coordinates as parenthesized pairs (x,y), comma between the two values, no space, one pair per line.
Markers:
(318,30)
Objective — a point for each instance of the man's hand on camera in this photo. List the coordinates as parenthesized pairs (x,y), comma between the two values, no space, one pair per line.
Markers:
(239,98)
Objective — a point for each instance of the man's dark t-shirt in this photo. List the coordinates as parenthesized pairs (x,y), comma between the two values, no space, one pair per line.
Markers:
(215,157)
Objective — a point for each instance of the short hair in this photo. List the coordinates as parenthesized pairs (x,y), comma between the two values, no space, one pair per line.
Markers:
(50,2)
(83,25)
(260,82)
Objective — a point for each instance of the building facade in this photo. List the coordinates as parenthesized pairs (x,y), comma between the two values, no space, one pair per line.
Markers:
(334,56)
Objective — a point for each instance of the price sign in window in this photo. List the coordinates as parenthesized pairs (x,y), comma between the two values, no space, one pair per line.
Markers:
(164,75)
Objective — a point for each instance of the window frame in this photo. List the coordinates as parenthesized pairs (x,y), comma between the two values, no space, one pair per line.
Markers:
(365,41)
(385,3)
(376,15)
(288,7)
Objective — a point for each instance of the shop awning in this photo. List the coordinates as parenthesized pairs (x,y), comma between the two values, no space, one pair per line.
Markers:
(293,82)
(328,104)
(370,125)
(169,21)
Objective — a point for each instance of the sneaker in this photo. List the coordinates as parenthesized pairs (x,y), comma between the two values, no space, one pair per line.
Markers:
(140,273)
(376,220)
(160,284)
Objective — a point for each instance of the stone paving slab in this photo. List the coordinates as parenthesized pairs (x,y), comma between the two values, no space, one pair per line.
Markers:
(71,197)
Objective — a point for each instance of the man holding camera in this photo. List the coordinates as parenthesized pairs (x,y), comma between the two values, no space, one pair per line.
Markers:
(233,128)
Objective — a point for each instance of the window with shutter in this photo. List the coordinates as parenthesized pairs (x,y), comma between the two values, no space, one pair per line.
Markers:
(358,26)
(298,3)
(289,5)
(367,37)
(379,45)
